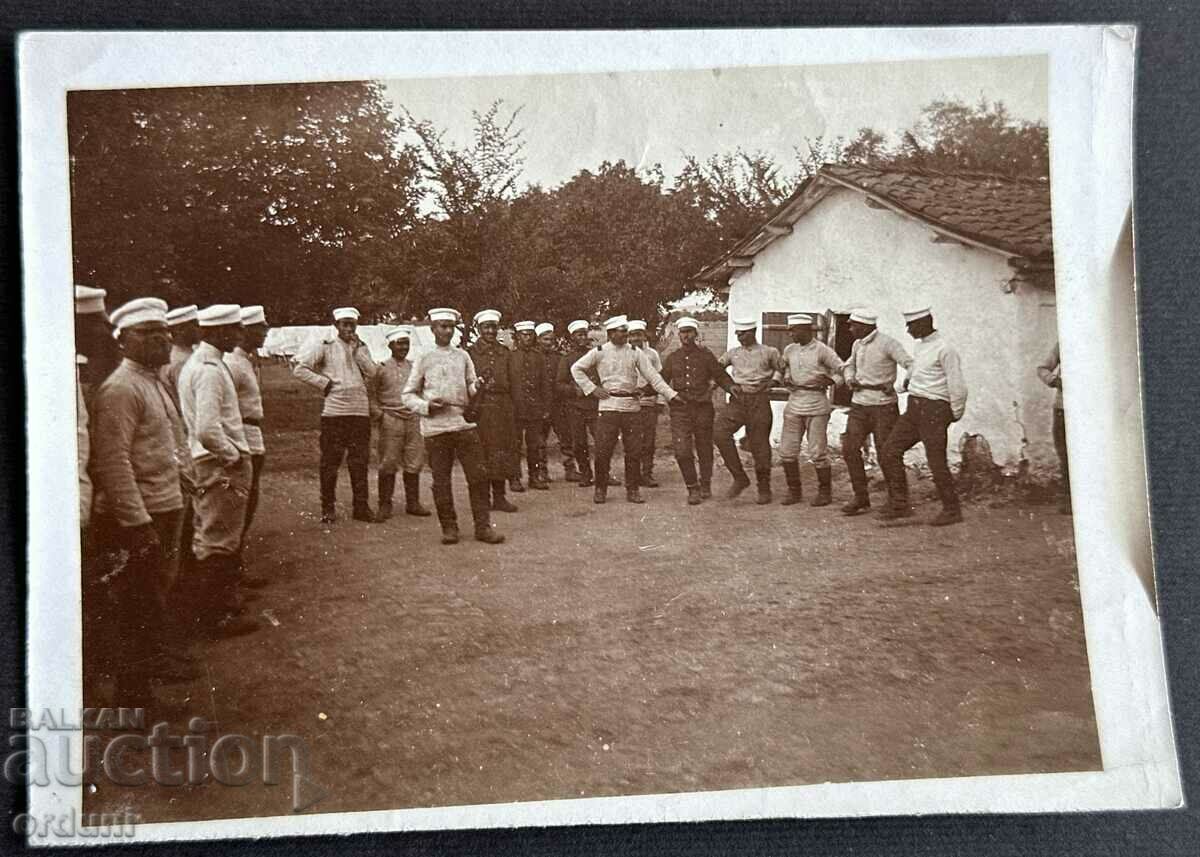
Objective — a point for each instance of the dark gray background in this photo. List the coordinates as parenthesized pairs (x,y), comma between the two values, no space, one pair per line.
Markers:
(1168,87)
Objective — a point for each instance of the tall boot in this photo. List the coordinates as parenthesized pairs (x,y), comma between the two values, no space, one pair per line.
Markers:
(733,463)
(387,487)
(500,503)
(481,513)
(412,496)
(791,472)
(764,487)
(824,487)
(585,473)
(570,471)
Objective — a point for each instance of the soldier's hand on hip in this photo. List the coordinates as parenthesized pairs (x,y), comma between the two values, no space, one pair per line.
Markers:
(602,393)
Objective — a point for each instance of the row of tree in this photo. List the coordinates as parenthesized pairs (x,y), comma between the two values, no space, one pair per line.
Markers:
(305,196)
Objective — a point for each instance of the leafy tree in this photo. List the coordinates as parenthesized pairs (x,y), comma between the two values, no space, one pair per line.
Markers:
(470,188)
(735,190)
(294,196)
(623,241)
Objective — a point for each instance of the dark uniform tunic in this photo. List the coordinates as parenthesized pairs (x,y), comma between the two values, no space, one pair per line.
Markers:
(531,401)
(558,420)
(497,429)
(580,410)
(692,371)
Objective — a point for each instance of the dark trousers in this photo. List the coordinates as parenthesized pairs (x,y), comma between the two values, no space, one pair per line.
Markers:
(926,422)
(861,422)
(128,598)
(256,468)
(560,423)
(529,435)
(648,426)
(1060,446)
(752,410)
(582,422)
(609,426)
(348,437)
(692,438)
(465,446)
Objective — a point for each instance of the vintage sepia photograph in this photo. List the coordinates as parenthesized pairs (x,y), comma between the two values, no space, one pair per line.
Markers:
(450,441)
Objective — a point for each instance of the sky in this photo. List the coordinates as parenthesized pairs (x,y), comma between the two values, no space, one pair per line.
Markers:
(573,122)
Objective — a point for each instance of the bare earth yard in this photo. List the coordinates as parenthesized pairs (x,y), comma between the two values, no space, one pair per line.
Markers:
(625,649)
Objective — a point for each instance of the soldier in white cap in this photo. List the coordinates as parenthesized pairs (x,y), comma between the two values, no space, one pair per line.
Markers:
(138,444)
(531,402)
(93,340)
(400,443)
(92,334)
(755,368)
(497,425)
(651,403)
(870,373)
(340,366)
(441,388)
(937,397)
(812,367)
(243,366)
(557,420)
(185,334)
(1050,372)
(580,408)
(692,371)
(221,457)
(620,368)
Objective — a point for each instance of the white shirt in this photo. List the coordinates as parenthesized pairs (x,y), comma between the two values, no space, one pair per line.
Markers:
(209,403)
(937,374)
(245,381)
(620,369)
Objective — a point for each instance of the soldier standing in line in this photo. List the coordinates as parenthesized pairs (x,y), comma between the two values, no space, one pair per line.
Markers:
(91,325)
(497,425)
(812,366)
(692,370)
(1050,371)
(755,368)
(870,373)
(937,397)
(93,340)
(400,444)
(243,366)
(340,367)
(557,421)
(619,367)
(221,458)
(650,402)
(138,443)
(580,408)
(185,333)
(440,388)
(531,402)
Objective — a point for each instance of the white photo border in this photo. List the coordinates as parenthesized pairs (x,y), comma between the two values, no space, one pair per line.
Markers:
(1091,124)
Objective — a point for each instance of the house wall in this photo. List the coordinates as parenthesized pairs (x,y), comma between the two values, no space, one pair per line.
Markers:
(843,254)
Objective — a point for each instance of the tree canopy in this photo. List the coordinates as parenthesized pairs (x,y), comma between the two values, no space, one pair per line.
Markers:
(303,196)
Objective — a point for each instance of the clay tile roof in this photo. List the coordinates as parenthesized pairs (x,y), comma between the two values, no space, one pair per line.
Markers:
(1009,214)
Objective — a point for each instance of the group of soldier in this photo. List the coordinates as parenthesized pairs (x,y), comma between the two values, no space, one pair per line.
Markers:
(172,452)
(170,461)
(486,405)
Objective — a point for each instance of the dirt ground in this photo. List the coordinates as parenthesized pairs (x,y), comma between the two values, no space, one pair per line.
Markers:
(622,649)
